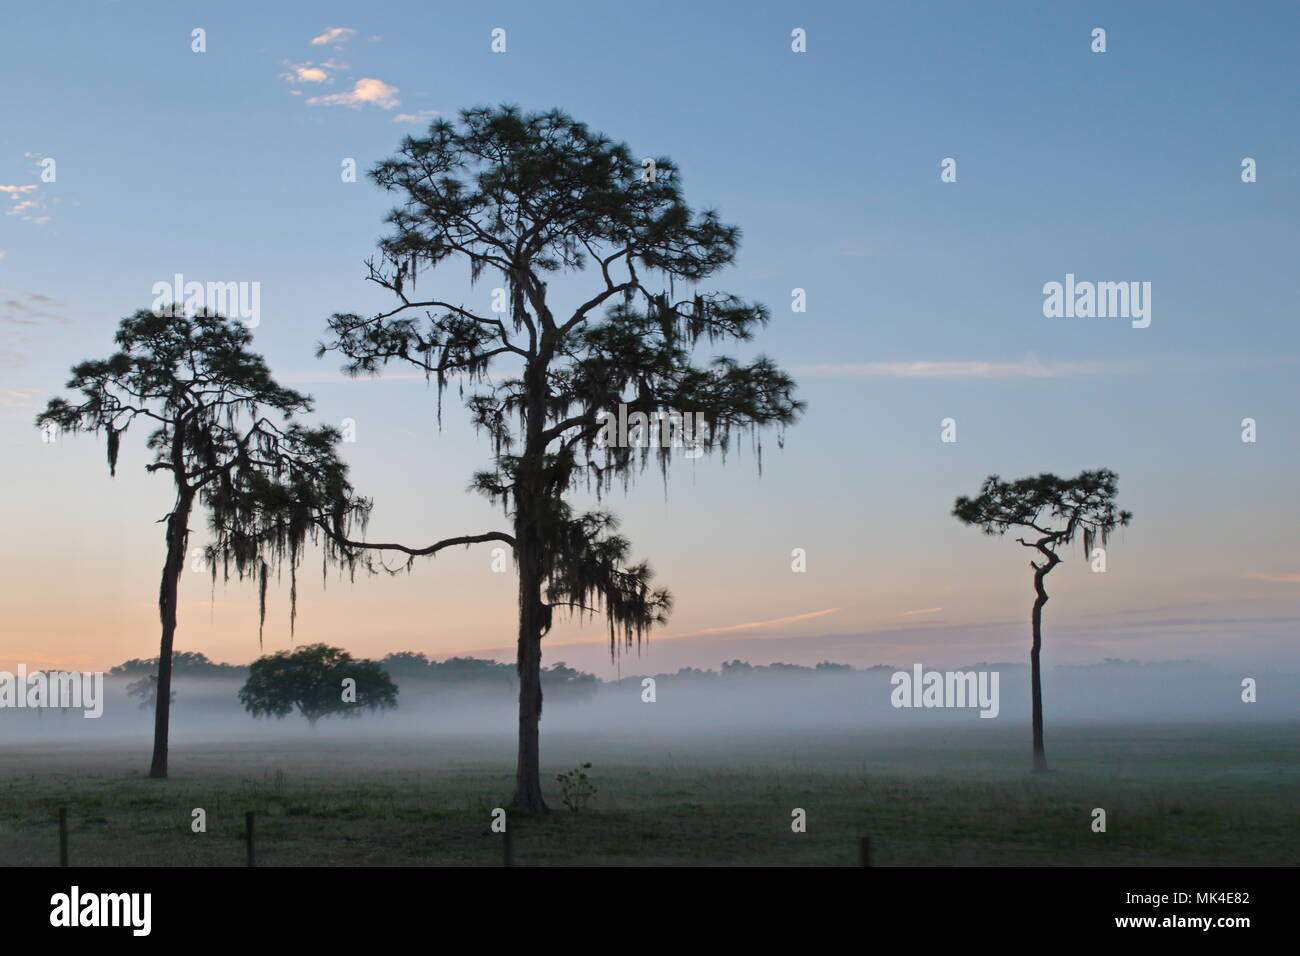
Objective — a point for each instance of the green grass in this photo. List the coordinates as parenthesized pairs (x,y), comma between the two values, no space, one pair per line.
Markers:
(1173,796)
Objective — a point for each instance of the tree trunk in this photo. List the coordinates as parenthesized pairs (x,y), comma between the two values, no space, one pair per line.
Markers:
(528,777)
(532,515)
(177,536)
(1035,672)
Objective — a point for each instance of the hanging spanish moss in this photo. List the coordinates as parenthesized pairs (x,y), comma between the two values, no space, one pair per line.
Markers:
(524,198)
(114,437)
(519,197)
(212,406)
(262,570)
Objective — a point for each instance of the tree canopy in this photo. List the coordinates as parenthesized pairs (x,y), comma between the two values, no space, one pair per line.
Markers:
(311,679)
(1057,508)
(223,431)
(524,197)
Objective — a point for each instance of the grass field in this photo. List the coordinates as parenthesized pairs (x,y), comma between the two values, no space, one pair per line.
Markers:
(1186,796)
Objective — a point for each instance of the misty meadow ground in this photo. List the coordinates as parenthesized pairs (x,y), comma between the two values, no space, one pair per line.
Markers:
(1189,796)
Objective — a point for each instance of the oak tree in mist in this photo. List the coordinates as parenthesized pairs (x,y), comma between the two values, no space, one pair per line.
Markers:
(1056,510)
(528,199)
(313,680)
(146,689)
(222,433)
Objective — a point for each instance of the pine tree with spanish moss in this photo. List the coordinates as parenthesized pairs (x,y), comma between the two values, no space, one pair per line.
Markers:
(223,433)
(1057,510)
(526,199)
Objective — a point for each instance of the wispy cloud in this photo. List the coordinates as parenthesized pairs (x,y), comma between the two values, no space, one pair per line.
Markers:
(305,73)
(423,116)
(19,313)
(367,92)
(335,35)
(312,72)
(1032,367)
(924,610)
(22,210)
(730,628)
(27,203)
(1286,578)
(29,309)
(1029,367)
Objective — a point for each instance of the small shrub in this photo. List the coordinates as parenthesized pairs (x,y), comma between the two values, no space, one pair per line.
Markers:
(576,788)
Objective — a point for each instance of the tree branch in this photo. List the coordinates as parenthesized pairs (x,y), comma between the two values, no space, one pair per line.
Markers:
(324,525)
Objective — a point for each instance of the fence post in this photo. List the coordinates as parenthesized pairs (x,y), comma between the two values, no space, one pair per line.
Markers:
(864,851)
(509,849)
(63,836)
(248,835)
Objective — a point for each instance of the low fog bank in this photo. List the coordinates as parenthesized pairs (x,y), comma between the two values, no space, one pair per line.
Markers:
(739,697)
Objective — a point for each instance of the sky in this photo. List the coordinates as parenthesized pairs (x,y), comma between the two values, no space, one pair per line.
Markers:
(924,302)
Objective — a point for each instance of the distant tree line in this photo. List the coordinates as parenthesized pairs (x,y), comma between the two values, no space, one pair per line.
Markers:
(417,667)
(184,664)
(414,667)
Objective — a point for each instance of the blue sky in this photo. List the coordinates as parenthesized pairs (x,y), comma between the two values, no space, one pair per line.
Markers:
(924,302)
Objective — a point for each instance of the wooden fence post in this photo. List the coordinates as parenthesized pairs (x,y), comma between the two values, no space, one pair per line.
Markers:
(63,836)
(864,851)
(248,835)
